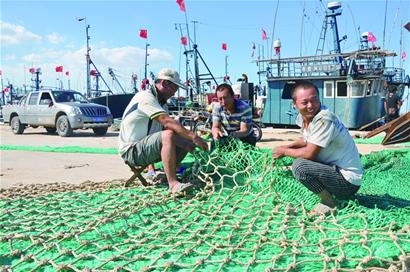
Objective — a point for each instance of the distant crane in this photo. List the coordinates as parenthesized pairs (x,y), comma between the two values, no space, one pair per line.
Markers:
(114,77)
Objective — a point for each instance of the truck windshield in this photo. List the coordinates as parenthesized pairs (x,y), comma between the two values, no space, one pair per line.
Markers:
(63,96)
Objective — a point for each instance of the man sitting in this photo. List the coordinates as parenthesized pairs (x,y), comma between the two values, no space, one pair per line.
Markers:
(327,161)
(142,140)
(233,115)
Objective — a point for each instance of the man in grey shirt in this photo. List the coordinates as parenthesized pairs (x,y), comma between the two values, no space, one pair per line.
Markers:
(327,160)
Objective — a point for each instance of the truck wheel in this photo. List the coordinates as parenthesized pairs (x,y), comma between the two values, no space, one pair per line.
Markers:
(51,130)
(63,126)
(16,126)
(100,131)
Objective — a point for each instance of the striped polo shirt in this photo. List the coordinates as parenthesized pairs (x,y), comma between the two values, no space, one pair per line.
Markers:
(232,122)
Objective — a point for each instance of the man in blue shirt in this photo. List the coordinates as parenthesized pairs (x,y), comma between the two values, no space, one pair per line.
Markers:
(232,115)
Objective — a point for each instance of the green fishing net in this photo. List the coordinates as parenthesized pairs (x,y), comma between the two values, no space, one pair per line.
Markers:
(247,213)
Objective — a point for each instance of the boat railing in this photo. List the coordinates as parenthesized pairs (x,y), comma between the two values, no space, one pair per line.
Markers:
(355,64)
(395,75)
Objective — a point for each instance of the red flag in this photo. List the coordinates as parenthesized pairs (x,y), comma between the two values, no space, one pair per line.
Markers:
(93,73)
(1,72)
(184,40)
(59,69)
(277,51)
(264,36)
(67,73)
(181,5)
(371,37)
(32,70)
(224,46)
(143,33)
(6,90)
(403,55)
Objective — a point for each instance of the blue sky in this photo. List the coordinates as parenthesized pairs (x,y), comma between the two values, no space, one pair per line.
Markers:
(46,34)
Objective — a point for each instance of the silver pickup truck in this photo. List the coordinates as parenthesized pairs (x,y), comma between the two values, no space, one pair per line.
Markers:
(61,111)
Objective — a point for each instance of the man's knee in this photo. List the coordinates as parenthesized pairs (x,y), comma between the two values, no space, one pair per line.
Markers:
(168,137)
(299,167)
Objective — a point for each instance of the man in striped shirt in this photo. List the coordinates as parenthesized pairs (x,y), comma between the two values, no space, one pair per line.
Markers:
(232,115)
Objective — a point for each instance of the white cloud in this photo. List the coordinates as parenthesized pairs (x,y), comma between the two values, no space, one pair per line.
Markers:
(123,60)
(15,34)
(55,38)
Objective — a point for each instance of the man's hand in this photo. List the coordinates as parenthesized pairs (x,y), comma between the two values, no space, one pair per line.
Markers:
(278,152)
(217,133)
(198,141)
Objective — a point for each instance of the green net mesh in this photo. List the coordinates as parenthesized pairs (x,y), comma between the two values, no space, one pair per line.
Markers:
(247,213)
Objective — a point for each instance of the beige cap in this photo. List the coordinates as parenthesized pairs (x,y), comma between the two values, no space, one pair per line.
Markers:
(170,75)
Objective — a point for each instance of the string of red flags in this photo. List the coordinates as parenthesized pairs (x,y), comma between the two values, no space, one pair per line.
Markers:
(184,40)
(59,69)
(264,36)
(224,46)
(144,33)
(181,5)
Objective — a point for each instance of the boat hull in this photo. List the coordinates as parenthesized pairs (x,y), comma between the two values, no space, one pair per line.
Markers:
(116,103)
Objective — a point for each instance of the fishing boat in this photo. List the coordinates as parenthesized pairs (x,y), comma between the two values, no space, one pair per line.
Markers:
(350,84)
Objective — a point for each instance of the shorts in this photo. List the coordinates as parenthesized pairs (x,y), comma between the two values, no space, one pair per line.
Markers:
(148,150)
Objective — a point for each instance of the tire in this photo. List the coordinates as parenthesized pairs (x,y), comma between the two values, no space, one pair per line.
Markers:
(63,126)
(51,130)
(257,131)
(100,131)
(16,126)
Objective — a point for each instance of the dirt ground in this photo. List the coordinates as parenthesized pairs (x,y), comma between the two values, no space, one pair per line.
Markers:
(25,167)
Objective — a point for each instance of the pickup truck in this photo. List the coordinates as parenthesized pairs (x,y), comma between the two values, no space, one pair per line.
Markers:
(57,110)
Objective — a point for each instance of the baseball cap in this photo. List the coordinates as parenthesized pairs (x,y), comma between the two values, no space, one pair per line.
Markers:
(170,75)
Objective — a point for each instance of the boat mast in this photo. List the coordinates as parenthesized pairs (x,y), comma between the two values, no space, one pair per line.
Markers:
(87,55)
(146,60)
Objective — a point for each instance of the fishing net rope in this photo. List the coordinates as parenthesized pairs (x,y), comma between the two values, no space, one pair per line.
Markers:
(247,214)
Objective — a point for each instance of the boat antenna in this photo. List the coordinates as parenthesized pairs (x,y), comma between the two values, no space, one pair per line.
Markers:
(384,25)
(301,27)
(273,29)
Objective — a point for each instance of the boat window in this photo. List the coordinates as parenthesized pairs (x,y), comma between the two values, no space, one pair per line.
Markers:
(378,87)
(357,89)
(329,92)
(341,90)
(33,99)
(369,87)
(366,86)
(287,90)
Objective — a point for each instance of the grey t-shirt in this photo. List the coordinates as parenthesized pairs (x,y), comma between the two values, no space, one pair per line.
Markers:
(337,146)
